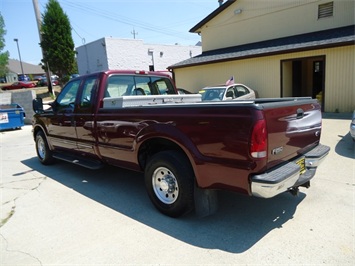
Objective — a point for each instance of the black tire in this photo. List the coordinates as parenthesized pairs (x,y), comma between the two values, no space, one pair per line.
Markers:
(44,154)
(169,181)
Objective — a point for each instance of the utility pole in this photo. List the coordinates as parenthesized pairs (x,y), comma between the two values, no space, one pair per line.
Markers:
(19,55)
(134,33)
(46,65)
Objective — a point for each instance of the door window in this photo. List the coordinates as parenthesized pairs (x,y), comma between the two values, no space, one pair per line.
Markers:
(89,91)
(68,95)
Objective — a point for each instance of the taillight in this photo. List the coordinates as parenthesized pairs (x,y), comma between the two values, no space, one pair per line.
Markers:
(258,144)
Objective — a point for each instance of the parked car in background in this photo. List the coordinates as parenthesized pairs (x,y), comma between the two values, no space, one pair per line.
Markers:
(73,76)
(38,78)
(2,80)
(227,92)
(19,85)
(352,126)
(23,78)
(43,82)
(183,91)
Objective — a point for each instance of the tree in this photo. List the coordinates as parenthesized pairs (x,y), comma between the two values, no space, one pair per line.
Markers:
(57,42)
(4,56)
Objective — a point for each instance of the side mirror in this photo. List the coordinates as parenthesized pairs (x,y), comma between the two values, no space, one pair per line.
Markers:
(37,105)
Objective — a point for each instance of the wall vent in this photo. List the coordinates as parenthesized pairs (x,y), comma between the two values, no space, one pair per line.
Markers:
(326,10)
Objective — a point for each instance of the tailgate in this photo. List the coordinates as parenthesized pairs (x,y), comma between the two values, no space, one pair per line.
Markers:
(293,127)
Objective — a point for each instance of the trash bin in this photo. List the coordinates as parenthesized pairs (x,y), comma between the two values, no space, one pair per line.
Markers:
(11,116)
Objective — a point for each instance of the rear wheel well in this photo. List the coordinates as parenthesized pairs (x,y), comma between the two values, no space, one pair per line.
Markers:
(153,146)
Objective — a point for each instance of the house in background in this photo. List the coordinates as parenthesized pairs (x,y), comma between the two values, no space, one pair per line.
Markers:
(279,48)
(114,53)
(14,67)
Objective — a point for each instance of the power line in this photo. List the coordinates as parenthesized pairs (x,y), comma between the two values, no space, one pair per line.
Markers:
(124,20)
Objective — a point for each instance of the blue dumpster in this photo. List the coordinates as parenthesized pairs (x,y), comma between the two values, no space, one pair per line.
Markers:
(11,116)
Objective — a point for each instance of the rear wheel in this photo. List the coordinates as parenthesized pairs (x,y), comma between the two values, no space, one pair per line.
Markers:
(169,180)
(44,154)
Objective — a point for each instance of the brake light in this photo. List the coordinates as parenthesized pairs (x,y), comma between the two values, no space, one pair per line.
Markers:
(142,72)
(258,144)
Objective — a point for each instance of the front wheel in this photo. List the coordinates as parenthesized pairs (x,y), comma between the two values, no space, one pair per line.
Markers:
(44,154)
(169,180)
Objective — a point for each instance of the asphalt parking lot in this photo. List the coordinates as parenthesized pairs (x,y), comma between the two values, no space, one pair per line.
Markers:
(65,214)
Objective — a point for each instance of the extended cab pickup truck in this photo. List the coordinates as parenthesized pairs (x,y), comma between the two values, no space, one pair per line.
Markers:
(185,147)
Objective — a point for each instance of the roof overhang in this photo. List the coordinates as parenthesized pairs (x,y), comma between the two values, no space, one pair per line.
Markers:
(305,42)
(198,26)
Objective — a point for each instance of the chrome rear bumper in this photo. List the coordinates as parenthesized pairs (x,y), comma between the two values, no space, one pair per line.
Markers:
(287,176)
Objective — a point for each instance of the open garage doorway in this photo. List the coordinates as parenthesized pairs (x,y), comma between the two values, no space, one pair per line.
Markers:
(303,77)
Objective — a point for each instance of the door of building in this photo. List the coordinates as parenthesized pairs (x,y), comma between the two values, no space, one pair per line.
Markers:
(303,77)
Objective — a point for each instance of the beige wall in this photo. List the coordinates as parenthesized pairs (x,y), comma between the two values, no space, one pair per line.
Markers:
(264,75)
(269,19)
(339,79)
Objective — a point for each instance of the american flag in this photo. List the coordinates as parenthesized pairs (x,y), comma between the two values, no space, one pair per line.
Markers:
(230,81)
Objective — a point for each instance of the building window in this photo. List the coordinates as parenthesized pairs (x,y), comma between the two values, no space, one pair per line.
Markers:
(326,10)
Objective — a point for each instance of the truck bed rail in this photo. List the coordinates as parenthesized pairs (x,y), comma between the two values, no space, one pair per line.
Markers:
(130,101)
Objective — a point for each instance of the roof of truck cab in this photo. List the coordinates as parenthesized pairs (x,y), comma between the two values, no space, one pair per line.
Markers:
(136,72)
(128,72)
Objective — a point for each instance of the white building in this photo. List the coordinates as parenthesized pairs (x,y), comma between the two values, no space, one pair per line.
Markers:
(113,53)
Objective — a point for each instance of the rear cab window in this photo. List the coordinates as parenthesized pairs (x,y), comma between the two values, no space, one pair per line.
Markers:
(130,85)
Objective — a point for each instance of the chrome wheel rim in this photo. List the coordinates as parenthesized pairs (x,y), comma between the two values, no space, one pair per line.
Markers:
(165,185)
(41,148)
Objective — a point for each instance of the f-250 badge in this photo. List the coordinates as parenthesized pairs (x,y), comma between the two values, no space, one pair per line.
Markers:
(277,150)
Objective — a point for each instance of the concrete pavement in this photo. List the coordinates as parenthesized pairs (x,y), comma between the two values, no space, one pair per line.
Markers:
(65,214)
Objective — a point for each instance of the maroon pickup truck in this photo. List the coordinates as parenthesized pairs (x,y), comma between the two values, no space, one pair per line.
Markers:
(186,148)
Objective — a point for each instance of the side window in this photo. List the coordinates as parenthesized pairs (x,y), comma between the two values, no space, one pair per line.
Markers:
(231,93)
(67,97)
(241,90)
(88,93)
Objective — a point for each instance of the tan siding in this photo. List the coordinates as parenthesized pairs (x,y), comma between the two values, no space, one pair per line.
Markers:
(340,86)
(264,20)
(263,74)
(254,73)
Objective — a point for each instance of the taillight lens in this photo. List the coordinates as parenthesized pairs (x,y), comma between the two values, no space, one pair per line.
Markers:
(258,144)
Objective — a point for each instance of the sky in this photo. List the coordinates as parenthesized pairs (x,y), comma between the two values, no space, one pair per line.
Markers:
(153,21)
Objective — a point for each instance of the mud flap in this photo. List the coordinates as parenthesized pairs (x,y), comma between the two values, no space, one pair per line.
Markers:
(206,202)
